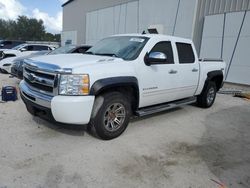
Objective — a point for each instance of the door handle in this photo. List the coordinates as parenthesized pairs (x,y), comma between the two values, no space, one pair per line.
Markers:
(195,70)
(172,72)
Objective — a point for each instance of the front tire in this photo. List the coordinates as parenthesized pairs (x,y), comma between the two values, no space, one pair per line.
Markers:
(207,97)
(110,119)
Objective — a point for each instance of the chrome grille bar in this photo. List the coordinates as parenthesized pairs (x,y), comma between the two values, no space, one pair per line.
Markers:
(40,81)
(33,78)
(43,77)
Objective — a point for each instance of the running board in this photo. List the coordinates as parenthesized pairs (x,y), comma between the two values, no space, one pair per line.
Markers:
(163,107)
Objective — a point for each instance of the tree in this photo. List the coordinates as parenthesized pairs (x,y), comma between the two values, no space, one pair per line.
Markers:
(27,29)
(3,28)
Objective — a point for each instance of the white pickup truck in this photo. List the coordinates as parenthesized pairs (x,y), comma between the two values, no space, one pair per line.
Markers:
(120,76)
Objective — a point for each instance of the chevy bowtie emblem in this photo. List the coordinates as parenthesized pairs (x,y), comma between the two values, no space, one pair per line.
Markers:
(32,77)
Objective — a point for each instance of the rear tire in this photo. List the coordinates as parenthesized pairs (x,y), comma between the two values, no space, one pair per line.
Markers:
(110,115)
(207,97)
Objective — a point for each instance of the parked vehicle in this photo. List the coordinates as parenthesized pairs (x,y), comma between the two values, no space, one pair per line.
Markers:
(8,44)
(17,67)
(70,49)
(24,50)
(5,65)
(120,76)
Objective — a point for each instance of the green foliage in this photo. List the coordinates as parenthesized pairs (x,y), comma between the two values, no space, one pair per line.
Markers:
(27,29)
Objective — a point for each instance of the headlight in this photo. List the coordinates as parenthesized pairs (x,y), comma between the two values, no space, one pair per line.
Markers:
(74,85)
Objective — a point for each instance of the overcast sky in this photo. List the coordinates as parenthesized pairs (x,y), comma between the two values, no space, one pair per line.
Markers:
(50,11)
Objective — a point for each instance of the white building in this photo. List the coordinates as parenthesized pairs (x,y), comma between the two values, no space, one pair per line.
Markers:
(219,28)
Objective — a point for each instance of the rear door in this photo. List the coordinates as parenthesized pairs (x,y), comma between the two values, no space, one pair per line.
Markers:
(188,69)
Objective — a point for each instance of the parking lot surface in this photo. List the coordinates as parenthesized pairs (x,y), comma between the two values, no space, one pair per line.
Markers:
(188,147)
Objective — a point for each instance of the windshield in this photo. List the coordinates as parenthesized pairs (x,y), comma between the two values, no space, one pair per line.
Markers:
(62,50)
(19,47)
(125,47)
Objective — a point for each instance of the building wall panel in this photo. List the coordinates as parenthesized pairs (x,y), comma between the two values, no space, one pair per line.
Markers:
(240,67)
(176,16)
(132,22)
(160,12)
(233,23)
(185,18)
(118,19)
(75,14)
(234,32)
(212,37)
(210,7)
(69,37)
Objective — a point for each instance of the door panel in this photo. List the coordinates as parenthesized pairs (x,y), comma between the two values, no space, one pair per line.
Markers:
(160,86)
(188,68)
(188,79)
(161,83)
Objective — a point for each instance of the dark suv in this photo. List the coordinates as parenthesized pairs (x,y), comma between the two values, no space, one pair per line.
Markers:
(8,44)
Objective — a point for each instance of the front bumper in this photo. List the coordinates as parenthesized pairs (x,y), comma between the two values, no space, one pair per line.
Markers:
(63,109)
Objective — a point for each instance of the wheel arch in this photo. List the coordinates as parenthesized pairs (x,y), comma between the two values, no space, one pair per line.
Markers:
(216,77)
(125,84)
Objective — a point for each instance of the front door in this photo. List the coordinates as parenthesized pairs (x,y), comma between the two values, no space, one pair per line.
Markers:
(159,82)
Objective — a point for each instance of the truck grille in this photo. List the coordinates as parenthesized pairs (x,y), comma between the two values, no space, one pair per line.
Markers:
(41,81)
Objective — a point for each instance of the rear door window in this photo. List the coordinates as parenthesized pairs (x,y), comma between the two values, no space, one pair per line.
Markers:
(40,48)
(30,48)
(185,53)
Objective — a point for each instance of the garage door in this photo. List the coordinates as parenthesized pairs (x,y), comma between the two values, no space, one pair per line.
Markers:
(113,20)
(227,36)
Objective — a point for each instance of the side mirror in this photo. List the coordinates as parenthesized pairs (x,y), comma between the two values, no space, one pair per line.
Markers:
(1,45)
(155,58)
(23,49)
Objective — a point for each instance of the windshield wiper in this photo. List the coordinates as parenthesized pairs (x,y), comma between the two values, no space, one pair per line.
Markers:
(107,54)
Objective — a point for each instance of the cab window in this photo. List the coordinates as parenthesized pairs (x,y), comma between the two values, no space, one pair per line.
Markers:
(185,53)
(29,48)
(40,47)
(166,48)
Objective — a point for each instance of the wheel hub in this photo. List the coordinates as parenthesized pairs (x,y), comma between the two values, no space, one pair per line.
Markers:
(114,117)
(210,95)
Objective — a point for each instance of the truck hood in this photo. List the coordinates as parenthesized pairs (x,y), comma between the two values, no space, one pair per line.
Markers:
(72,61)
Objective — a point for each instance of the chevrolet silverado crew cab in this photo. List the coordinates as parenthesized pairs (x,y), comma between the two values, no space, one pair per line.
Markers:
(120,76)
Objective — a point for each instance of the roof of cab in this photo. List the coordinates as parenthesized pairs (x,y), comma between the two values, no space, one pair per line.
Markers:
(156,36)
